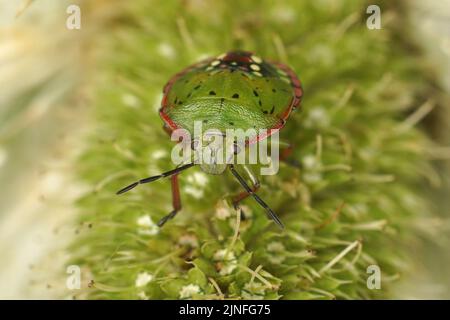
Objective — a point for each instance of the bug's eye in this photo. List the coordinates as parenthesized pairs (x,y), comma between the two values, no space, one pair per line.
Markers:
(236,148)
(195,144)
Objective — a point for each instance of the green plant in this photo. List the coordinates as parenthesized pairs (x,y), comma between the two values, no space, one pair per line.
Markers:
(349,207)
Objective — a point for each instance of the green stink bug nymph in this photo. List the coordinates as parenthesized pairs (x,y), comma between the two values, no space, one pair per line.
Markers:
(234,90)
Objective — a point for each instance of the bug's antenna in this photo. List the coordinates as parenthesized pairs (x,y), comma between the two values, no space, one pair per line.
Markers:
(272,214)
(154,178)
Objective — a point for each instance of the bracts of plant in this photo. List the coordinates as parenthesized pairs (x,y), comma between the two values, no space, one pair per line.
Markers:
(348,206)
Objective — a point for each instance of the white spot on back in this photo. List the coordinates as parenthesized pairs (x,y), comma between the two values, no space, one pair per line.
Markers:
(255,67)
(256,59)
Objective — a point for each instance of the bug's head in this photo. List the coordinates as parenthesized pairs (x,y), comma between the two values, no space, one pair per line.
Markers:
(213,151)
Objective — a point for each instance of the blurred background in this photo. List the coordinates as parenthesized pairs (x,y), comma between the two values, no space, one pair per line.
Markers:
(44,75)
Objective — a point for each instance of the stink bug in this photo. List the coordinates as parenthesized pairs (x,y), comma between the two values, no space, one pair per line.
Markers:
(234,90)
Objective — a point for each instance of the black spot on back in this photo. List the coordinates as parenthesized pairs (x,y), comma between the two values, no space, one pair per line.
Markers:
(272,110)
(255,93)
(236,96)
(197,87)
(212,93)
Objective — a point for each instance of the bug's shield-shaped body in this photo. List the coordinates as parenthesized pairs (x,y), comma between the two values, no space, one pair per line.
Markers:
(234,90)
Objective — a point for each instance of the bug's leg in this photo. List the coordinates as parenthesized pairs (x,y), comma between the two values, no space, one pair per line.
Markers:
(272,215)
(176,200)
(244,194)
(154,178)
